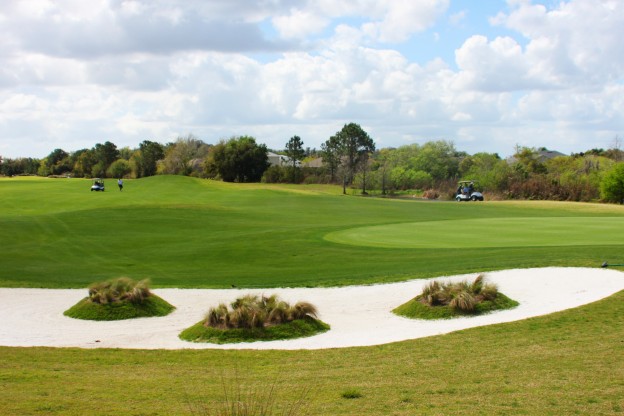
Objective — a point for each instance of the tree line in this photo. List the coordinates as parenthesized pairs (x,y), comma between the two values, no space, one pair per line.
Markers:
(350,158)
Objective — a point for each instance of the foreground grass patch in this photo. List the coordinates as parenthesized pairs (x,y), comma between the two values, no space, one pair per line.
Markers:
(566,363)
(295,329)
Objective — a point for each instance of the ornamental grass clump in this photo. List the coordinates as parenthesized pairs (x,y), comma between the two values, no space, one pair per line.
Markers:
(253,317)
(121,298)
(252,311)
(445,300)
(118,290)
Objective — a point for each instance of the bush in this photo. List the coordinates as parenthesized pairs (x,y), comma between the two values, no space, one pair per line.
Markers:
(612,185)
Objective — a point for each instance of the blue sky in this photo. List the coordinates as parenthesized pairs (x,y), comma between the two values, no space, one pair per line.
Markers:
(487,75)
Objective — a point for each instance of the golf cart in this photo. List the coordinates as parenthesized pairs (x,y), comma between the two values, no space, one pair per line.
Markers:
(98,185)
(466,192)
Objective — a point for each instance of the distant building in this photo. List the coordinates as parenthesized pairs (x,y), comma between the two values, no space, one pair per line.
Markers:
(542,155)
(280,160)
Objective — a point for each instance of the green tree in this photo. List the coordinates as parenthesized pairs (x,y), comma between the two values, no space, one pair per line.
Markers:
(83,165)
(180,156)
(438,158)
(239,159)
(612,185)
(105,154)
(355,145)
(149,154)
(119,168)
(294,150)
(330,152)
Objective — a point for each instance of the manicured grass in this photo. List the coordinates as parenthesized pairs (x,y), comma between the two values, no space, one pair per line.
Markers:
(151,306)
(187,232)
(299,328)
(488,233)
(562,364)
(415,309)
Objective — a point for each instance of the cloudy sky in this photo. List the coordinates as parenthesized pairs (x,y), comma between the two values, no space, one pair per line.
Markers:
(487,75)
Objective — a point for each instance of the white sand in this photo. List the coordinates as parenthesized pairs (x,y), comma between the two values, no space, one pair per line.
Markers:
(358,315)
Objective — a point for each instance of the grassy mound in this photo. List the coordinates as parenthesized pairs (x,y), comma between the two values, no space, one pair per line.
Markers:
(300,328)
(118,299)
(450,300)
(254,318)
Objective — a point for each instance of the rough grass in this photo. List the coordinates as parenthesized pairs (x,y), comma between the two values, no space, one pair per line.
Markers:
(299,328)
(562,364)
(114,311)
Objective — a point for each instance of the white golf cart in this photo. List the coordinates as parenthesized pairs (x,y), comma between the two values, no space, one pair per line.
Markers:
(466,192)
(98,185)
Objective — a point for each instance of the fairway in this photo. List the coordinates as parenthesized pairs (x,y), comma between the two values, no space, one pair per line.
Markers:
(488,232)
(195,233)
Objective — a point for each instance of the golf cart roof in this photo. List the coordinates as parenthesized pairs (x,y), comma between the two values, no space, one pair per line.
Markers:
(466,182)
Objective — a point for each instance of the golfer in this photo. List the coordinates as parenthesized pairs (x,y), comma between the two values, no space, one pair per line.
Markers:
(120,183)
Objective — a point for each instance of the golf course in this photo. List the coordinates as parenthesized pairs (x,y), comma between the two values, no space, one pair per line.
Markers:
(182,232)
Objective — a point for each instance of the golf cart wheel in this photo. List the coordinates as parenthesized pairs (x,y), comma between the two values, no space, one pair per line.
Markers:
(473,198)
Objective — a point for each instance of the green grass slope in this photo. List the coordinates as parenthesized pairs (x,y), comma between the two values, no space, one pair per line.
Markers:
(187,232)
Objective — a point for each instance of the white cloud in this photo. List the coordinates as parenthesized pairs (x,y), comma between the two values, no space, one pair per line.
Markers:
(402,18)
(299,24)
(127,71)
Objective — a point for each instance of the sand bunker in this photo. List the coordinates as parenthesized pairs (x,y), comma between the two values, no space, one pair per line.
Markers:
(358,315)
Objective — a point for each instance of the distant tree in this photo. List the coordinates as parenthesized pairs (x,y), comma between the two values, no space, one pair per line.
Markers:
(119,168)
(105,154)
(239,159)
(612,185)
(438,158)
(149,154)
(84,162)
(356,145)
(10,167)
(56,163)
(294,150)
(527,162)
(331,154)
(180,155)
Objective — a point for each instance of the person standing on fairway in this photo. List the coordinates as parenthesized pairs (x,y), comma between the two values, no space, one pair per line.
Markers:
(120,183)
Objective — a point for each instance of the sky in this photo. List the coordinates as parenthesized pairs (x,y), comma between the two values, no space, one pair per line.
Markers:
(488,75)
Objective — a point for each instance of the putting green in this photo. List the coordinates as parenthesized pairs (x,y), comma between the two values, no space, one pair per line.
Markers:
(488,232)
